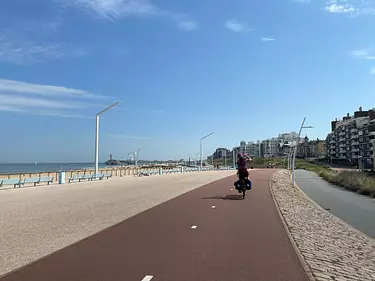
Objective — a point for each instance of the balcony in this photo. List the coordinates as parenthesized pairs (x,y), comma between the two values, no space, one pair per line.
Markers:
(355,150)
(371,129)
(354,136)
(342,133)
(342,157)
(342,140)
(354,130)
(355,143)
(332,141)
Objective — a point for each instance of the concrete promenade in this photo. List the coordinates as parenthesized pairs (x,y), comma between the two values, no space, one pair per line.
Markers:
(37,221)
(206,234)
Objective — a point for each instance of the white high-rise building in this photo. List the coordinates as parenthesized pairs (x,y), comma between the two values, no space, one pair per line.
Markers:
(271,147)
(250,148)
(288,137)
(254,148)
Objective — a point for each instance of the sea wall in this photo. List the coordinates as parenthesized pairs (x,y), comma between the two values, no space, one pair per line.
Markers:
(115,171)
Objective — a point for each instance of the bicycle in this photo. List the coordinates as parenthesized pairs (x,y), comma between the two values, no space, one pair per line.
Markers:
(241,186)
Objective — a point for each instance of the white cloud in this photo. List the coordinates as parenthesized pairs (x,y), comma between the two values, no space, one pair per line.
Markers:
(54,113)
(335,7)
(367,54)
(22,102)
(26,43)
(361,52)
(37,99)
(116,9)
(351,7)
(188,25)
(11,86)
(267,39)
(10,108)
(27,52)
(237,26)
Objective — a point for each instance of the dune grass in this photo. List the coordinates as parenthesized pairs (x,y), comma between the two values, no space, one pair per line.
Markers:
(362,183)
(358,182)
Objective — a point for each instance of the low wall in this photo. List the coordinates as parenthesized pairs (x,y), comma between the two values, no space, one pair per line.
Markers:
(115,171)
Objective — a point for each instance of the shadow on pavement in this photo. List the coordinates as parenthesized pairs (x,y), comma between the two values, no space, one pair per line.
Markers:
(226,197)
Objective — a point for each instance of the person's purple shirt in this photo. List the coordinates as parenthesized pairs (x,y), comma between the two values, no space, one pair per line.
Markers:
(242,162)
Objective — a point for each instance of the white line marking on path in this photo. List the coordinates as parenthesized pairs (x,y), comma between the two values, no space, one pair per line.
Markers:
(194,227)
(231,189)
(213,207)
(147,278)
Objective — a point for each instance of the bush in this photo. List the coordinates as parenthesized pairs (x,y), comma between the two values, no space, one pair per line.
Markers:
(361,183)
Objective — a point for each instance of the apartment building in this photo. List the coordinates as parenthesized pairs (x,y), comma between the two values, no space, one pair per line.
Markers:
(271,147)
(254,149)
(288,137)
(311,148)
(351,139)
(278,147)
(250,148)
(222,153)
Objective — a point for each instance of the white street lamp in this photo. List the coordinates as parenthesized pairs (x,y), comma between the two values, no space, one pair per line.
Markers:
(97,136)
(290,152)
(295,150)
(225,159)
(136,156)
(195,159)
(131,156)
(201,148)
(234,156)
(225,156)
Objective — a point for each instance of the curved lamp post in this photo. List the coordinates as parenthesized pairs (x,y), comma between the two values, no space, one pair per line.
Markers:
(97,136)
(295,150)
(201,148)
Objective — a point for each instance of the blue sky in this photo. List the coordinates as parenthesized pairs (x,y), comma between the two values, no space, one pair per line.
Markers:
(245,70)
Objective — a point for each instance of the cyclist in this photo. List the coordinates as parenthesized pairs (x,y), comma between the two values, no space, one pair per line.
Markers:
(242,168)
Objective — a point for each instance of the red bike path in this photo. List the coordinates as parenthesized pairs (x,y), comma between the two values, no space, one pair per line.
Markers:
(206,234)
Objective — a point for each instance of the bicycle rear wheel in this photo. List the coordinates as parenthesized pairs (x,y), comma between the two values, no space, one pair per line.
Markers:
(243,189)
